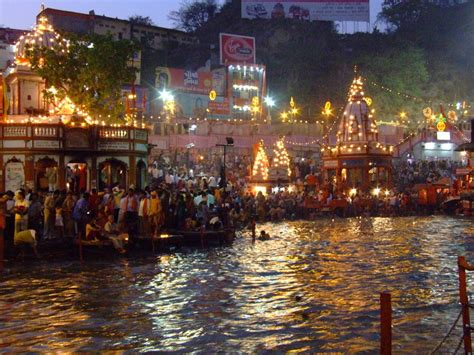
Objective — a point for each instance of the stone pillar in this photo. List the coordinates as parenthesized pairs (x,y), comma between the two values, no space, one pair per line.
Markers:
(2,174)
(30,171)
(61,172)
(132,171)
(94,181)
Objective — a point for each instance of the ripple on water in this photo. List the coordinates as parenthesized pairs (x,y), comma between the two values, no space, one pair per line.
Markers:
(313,286)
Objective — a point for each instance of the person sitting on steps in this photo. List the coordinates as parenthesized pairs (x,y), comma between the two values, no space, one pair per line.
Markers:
(112,231)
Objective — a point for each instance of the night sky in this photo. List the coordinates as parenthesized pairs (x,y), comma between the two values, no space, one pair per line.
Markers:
(21,14)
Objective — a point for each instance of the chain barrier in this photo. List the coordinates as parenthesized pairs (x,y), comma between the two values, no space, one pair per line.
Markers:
(448,334)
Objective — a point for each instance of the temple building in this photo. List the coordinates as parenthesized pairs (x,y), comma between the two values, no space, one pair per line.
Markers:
(49,144)
(359,160)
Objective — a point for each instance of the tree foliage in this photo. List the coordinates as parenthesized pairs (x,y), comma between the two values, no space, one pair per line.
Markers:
(90,73)
(192,15)
(141,20)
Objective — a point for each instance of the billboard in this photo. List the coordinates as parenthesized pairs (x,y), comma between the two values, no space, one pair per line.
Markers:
(309,10)
(198,82)
(183,80)
(199,106)
(236,49)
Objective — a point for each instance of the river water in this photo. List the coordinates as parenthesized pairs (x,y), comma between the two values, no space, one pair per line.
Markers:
(313,286)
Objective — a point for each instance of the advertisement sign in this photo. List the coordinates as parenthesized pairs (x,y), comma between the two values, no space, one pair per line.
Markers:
(199,82)
(199,106)
(183,80)
(236,49)
(308,10)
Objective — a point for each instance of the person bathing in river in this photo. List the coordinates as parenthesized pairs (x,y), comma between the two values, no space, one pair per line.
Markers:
(264,235)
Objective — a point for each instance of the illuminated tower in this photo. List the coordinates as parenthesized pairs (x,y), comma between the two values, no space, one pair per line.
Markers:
(356,125)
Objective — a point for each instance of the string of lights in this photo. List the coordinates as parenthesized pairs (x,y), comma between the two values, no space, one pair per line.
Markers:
(415,98)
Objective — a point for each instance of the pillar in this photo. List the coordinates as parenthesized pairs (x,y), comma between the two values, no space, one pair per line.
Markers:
(2,176)
(30,171)
(94,182)
(132,171)
(61,172)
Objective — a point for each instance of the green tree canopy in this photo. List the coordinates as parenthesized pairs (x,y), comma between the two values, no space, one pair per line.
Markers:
(192,15)
(141,20)
(91,72)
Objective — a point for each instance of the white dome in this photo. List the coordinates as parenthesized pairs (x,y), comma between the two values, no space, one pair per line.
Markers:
(356,124)
(42,35)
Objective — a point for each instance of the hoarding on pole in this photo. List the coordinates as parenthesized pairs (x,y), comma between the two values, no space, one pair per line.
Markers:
(236,49)
(308,10)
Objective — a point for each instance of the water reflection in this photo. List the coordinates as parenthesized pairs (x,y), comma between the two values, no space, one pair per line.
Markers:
(313,286)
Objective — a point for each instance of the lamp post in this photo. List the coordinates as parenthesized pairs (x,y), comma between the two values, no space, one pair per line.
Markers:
(229,143)
(270,102)
(168,102)
(327,112)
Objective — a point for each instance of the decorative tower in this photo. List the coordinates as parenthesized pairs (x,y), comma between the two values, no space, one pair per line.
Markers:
(26,88)
(281,160)
(358,161)
(260,166)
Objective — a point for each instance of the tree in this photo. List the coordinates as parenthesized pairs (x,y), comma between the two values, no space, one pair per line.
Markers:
(402,14)
(141,20)
(396,82)
(90,72)
(191,16)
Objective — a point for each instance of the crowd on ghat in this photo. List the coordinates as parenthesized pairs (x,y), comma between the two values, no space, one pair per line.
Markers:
(184,198)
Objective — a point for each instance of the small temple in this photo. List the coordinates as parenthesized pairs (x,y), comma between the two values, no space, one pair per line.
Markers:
(49,143)
(359,160)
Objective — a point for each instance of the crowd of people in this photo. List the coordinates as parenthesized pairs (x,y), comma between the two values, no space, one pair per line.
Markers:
(410,172)
(182,198)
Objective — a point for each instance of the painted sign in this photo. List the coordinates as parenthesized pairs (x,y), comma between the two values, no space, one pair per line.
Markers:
(307,10)
(219,108)
(14,176)
(112,145)
(199,106)
(236,49)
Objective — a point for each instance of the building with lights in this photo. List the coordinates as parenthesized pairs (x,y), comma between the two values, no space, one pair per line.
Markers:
(229,93)
(47,144)
(359,160)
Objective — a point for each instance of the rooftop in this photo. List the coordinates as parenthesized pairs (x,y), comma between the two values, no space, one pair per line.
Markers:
(92,15)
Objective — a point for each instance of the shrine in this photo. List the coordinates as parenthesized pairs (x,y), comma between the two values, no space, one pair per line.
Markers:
(359,160)
(48,145)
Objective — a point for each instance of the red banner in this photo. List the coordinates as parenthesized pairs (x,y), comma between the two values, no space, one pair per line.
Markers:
(236,49)
(219,108)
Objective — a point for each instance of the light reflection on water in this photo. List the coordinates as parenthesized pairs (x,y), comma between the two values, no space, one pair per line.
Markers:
(313,286)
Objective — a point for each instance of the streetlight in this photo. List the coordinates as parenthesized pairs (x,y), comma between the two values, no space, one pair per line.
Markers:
(269,101)
(166,95)
(168,101)
(326,112)
(229,143)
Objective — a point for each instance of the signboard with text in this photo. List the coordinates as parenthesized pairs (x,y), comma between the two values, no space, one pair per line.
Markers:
(183,80)
(197,82)
(307,10)
(236,49)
